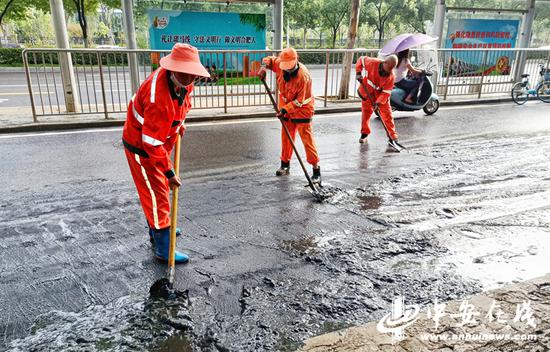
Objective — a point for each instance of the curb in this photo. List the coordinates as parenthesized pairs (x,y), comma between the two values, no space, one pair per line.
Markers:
(60,126)
(14,69)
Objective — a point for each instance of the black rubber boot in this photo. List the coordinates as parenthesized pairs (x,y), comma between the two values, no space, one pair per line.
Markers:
(363,138)
(284,169)
(316,178)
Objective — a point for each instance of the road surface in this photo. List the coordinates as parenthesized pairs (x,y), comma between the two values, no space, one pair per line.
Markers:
(465,210)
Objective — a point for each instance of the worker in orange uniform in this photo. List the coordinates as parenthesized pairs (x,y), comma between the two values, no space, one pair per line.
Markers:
(296,107)
(378,78)
(155,117)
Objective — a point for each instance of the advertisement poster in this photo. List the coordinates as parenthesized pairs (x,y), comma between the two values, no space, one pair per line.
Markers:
(474,33)
(206,30)
(209,31)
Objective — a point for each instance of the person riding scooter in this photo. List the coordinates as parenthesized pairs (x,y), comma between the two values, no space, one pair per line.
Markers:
(411,86)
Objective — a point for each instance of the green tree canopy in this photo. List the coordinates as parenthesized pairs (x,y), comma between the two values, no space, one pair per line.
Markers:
(333,14)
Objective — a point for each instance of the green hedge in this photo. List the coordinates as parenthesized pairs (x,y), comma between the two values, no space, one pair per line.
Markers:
(11,57)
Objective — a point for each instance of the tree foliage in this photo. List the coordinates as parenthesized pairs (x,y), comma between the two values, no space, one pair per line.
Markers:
(11,10)
(380,18)
(415,14)
(35,28)
(333,14)
(381,13)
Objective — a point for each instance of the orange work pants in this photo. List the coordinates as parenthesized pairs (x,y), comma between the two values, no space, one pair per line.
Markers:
(153,190)
(306,135)
(385,112)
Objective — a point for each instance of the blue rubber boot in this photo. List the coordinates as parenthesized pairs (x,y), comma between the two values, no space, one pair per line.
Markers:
(162,246)
(178,234)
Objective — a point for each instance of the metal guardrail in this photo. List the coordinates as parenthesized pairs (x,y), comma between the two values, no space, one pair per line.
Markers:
(102,82)
(495,72)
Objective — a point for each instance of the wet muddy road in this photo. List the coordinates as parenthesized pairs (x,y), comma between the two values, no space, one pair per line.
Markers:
(466,209)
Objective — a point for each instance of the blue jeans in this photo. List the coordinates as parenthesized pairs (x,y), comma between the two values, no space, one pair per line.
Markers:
(410,86)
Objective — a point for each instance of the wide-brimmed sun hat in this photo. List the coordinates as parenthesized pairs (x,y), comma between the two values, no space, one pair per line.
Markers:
(288,58)
(184,58)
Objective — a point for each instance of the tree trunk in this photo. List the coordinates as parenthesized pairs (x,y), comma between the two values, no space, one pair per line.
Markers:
(82,21)
(334,34)
(108,20)
(287,32)
(304,43)
(348,58)
(2,33)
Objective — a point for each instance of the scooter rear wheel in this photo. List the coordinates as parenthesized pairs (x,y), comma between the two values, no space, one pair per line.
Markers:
(431,107)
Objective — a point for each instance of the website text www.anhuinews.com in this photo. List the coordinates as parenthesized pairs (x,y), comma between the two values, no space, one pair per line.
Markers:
(477,337)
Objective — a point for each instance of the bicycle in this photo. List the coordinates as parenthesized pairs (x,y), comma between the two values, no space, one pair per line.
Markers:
(522,90)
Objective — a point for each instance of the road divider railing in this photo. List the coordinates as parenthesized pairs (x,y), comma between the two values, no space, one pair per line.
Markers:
(480,72)
(97,81)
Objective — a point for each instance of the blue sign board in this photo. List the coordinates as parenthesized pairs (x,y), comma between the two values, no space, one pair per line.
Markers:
(472,33)
(207,30)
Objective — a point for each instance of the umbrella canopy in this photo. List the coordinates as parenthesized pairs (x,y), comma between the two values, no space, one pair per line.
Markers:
(405,41)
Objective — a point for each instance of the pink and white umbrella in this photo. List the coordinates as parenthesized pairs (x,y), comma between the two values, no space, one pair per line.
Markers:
(405,41)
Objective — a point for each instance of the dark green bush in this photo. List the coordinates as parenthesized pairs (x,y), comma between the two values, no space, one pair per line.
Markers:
(80,59)
(11,57)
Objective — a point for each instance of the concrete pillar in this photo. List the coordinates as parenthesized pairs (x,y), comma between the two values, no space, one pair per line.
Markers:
(524,38)
(439,22)
(130,34)
(278,25)
(65,63)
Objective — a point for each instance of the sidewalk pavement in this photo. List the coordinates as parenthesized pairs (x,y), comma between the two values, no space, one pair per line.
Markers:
(19,119)
(506,304)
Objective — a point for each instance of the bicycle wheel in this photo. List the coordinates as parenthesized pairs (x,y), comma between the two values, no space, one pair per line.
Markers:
(543,91)
(520,93)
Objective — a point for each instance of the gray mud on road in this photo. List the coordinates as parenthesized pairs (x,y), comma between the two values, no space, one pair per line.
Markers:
(330,279)
(269,265)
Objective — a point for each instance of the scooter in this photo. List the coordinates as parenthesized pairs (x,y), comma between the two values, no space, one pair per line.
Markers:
(427,99)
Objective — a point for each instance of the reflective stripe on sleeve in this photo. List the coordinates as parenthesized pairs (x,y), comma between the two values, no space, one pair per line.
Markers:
(154,86)
(137,116)
(387,91)
(298,104)
(373,85)
(151,140)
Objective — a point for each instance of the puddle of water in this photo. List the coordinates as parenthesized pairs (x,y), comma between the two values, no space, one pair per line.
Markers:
(499,257)
(369,202)
(176,342)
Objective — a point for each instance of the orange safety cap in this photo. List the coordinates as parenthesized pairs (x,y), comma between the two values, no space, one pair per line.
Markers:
(184,58)
(288,58)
